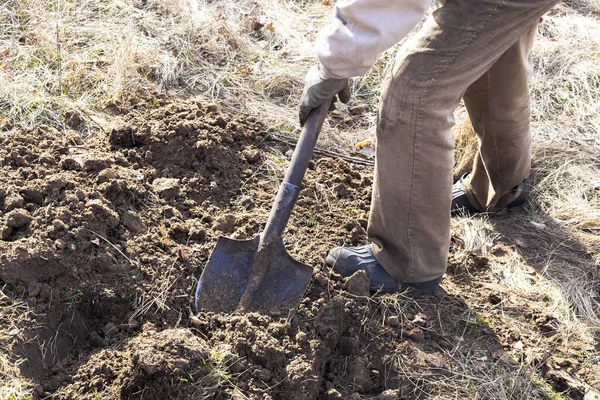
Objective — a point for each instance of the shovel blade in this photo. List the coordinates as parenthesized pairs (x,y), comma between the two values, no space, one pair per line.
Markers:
(279,281)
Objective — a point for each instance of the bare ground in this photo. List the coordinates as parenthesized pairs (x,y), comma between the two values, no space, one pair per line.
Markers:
(103,241)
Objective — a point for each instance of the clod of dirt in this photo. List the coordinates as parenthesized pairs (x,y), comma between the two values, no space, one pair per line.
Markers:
(166,188)
(358,284)
(107,175)
(252,156)
(96,163)
(33,195)
(73,119)
(225,223)
(102,212)
(357,110)
(13,201)
(133,222)
(71,163)
(96,340)
(18,218)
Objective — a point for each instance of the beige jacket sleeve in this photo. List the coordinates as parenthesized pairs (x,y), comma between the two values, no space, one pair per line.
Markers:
(361,30)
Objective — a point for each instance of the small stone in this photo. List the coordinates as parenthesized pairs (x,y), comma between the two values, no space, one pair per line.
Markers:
(18,218)
(420,319)
(353,396)
(333,394)
(393,321)
(359,284)
(166,188)
(357,110)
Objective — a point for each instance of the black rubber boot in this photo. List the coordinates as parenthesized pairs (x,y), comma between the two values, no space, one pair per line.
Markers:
(347,260)
(462,206)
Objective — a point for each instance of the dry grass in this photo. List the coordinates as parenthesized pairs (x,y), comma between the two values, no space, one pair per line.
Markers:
(61,56)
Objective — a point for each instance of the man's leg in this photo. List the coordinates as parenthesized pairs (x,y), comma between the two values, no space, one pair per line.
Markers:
(499,107)
(409,223)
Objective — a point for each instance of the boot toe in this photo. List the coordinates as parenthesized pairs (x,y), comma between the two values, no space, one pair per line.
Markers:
(348,260)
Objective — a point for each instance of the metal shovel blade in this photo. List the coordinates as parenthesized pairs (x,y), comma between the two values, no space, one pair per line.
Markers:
(245,276)
(259,275)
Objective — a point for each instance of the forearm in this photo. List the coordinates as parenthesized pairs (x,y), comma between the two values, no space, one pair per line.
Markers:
(362,29)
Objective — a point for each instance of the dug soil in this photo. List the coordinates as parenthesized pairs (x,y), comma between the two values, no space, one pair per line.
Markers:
(105,239)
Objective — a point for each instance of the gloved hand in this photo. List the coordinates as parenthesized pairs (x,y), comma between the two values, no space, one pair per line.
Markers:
(317,88)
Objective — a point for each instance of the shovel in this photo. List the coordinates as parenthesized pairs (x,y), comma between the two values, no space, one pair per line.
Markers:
(258,275)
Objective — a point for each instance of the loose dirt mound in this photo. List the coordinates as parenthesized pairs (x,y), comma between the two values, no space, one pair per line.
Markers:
(105,240)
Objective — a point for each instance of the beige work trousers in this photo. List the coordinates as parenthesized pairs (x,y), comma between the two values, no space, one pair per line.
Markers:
(477,50)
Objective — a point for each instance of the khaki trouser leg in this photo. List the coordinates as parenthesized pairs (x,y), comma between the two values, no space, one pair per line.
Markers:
(499,107)
(409,224)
